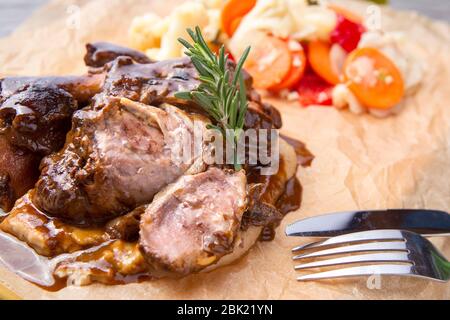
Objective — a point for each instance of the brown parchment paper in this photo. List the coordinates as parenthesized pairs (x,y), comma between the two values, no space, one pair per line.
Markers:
(361,162)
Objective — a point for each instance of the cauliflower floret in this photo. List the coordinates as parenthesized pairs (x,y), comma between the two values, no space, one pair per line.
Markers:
(316,22)
(146,31)
(188,15)
(343,98)
(158,37)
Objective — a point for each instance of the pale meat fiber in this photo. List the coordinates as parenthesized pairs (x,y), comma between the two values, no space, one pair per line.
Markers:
(194,222)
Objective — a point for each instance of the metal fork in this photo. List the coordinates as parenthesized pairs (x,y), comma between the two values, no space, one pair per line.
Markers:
(384,252)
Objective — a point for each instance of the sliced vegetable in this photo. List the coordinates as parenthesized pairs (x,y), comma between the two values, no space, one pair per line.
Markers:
(319,58)
(347,33)
(269,61)
(233,12)
(350,15)
(373,78)
(298,64)
(313,90)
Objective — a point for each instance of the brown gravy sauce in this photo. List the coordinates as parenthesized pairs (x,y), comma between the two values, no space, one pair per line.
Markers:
(103,260)
(304,156)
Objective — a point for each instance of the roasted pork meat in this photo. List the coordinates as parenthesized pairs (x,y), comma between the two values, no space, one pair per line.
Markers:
(115,159)
(194,222)
(35,115)
(36,112)
(117,193)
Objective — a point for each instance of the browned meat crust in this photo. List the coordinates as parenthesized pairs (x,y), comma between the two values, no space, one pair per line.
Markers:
(18,173)
(37,118)
(35,115)
(126,227)
(82,88)
(100,53)
(151,84)
(157,83)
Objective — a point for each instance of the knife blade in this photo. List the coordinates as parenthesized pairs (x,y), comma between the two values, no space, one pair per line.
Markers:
(425,222)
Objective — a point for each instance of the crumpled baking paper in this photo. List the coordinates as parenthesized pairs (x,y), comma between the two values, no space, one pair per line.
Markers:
(361,162)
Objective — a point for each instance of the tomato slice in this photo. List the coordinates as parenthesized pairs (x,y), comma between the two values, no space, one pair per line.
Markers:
(347,33)
(233,12)
(319,59)
(313,90)
(373,78)
(269,61)
(294,75)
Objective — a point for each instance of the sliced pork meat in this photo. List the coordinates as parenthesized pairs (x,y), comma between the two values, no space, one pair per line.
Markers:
(193,222)
(116,158)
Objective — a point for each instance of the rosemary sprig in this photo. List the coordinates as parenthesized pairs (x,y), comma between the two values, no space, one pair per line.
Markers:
(221,95)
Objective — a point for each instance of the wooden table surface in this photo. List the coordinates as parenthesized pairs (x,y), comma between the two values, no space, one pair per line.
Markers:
(13,12)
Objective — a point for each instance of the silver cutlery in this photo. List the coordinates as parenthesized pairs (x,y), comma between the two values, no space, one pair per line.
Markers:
(384,252)
(424,222)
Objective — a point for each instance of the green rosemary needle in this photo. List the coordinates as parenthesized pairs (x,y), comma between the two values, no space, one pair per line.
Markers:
(222,95)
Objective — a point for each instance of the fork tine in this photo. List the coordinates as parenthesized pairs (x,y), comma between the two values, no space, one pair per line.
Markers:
(362,258)
(384,235)
(371,246)
(307,246)
(384,269)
